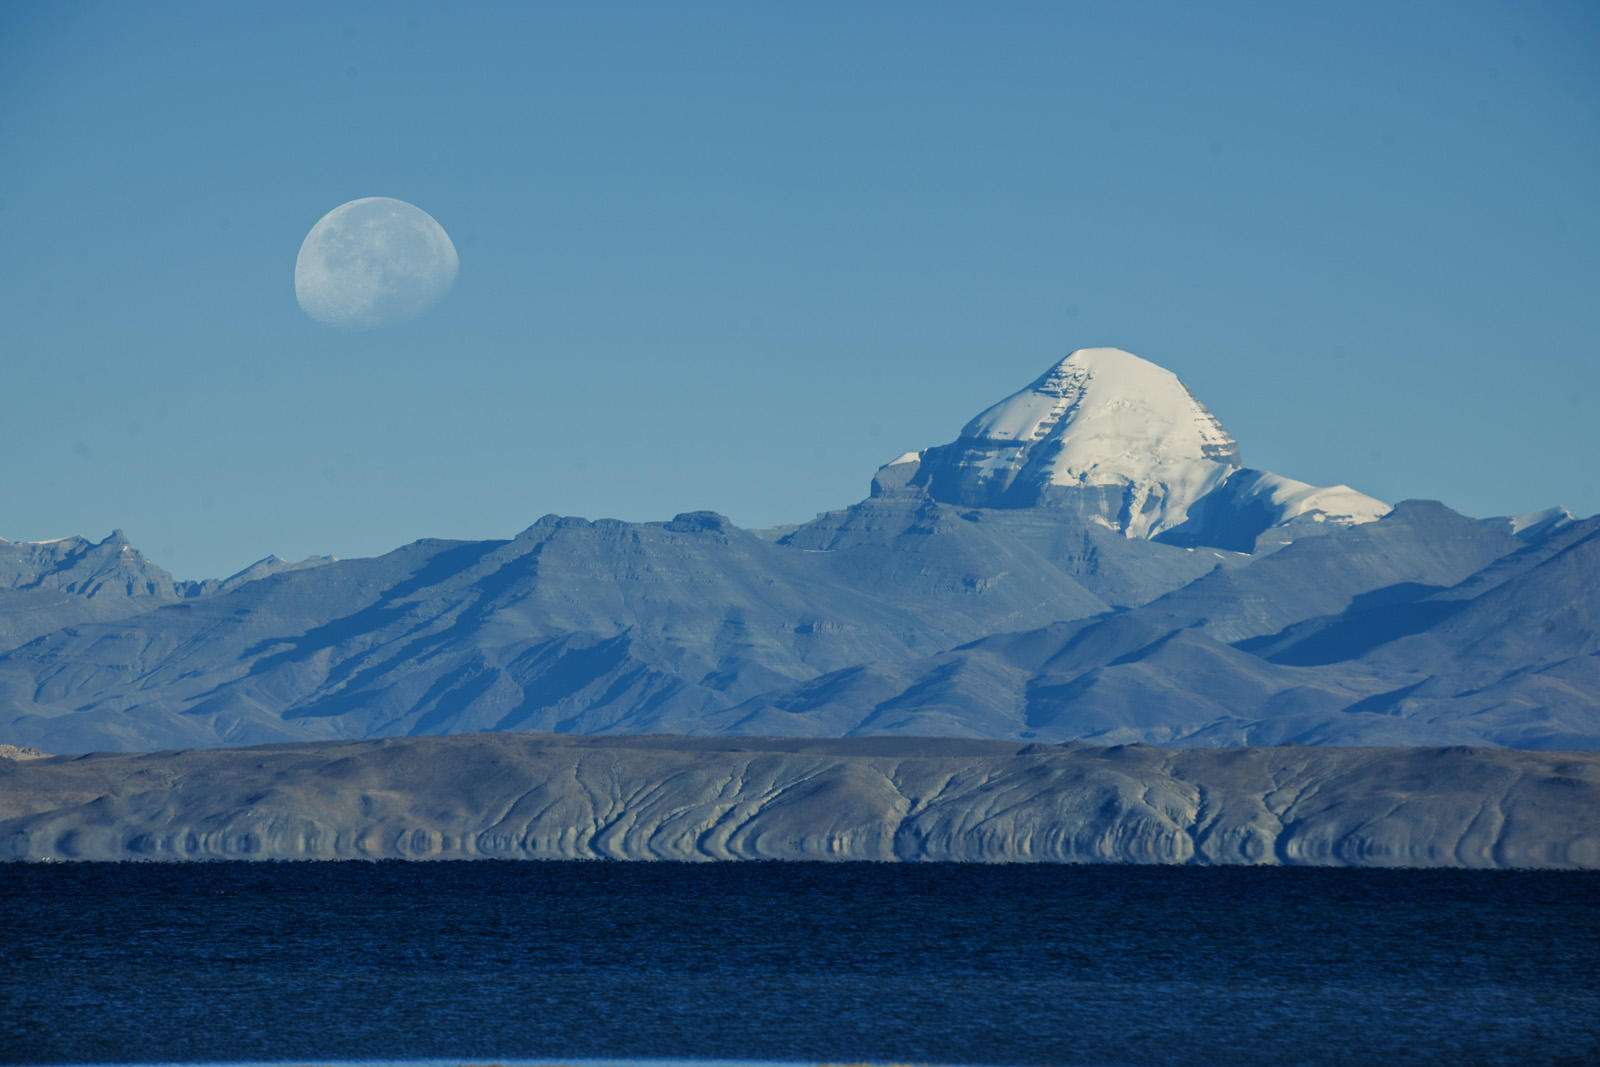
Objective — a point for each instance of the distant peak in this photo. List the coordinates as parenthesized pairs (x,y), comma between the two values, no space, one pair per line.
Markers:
(1113,437)
(1104,419)
(1538,523)
(267,566)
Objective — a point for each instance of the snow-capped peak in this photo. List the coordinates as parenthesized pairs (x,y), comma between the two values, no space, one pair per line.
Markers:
(1116,438)
(1105,417)
(1535,524)
(1113,409)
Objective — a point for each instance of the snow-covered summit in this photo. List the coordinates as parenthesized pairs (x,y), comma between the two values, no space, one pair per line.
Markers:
(1123,442)
(1105,417)
(1108,406)
(1537,525)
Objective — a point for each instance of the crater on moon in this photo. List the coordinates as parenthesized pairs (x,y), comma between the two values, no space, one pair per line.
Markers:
(373,262)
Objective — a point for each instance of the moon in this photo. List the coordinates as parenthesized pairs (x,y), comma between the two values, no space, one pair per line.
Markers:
(373,262)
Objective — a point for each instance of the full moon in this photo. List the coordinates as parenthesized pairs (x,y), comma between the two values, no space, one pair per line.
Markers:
(373,262)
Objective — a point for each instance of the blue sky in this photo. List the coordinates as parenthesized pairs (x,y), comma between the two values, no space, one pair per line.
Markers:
(735,256)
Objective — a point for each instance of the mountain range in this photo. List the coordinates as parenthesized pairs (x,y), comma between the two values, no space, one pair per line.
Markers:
(1089,559)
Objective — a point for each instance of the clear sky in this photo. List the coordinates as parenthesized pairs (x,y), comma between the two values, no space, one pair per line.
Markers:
(735,256)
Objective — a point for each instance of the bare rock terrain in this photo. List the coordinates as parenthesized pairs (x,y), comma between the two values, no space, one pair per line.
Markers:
(1089,560)
(537,796)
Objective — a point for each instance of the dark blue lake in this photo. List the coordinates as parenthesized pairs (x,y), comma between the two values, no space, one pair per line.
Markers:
(940,963)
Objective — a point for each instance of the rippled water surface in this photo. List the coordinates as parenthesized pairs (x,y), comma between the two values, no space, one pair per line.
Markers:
(797,962)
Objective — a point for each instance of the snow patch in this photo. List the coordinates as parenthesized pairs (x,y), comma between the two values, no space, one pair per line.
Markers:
(1544,521)
(1332,503)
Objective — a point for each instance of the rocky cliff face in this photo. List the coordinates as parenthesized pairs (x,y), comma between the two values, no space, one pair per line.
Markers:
(527,796)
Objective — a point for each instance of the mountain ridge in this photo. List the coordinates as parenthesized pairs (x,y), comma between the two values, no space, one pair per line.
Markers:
(1240,607)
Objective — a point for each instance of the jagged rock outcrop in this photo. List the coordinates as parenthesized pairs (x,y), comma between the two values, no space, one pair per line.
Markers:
(45,585)
(532,796)
(48,585)
(109,568)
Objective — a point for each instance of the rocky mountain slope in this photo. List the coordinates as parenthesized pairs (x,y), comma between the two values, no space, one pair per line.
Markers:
(1425,627)
(1088,560)
(522,796)
(47,585)
(573,625)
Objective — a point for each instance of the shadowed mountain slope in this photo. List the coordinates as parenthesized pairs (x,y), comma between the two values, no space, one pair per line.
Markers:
(1508,652)
(574,625)
(1089,559)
